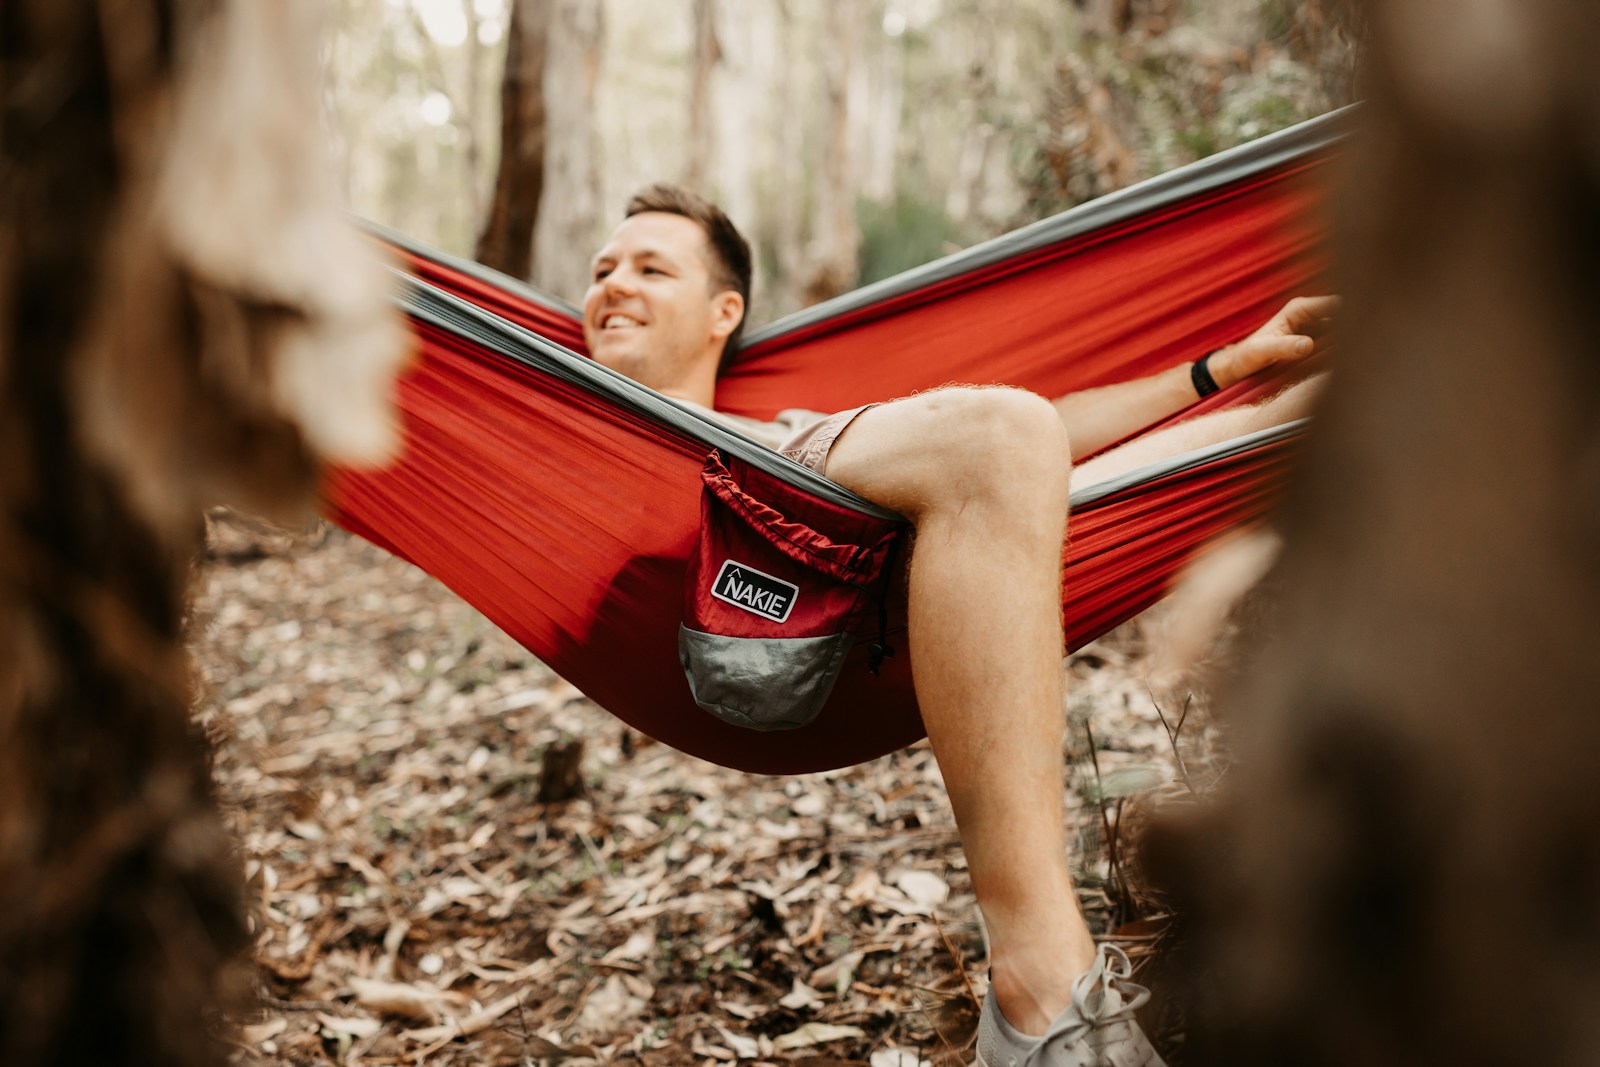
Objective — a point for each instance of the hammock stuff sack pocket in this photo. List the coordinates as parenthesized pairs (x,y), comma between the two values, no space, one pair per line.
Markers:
(774,595)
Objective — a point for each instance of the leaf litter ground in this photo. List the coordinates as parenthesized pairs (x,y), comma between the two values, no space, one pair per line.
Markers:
(378,754)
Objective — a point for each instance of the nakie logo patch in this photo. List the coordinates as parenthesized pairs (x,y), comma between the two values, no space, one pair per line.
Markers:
(754,591)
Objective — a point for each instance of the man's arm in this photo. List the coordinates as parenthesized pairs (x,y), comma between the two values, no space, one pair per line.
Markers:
(1096,418)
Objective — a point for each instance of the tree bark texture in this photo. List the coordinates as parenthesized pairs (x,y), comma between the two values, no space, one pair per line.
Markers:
(164,343)
(1405,866)
(836,236)
(570,225)
(705,55)
(506,242)
(885,95)
(785,210)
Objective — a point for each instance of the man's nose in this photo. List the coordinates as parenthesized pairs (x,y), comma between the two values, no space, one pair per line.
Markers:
(621,281)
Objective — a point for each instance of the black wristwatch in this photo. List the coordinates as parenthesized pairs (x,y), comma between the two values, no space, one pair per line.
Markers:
(1200,374)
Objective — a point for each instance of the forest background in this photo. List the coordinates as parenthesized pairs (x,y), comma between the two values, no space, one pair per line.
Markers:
(849,139)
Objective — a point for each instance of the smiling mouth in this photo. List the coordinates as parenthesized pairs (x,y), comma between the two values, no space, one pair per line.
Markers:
(618,321)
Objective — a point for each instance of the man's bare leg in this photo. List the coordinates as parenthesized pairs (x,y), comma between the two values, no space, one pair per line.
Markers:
(1291,404)
(983,473)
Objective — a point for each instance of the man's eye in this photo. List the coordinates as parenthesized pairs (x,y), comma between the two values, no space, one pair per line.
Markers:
(600,274)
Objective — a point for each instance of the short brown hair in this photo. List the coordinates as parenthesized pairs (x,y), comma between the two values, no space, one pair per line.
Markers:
(730,252)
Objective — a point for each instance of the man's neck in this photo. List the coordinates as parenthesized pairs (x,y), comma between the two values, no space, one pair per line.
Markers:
(698,388)
(692,397)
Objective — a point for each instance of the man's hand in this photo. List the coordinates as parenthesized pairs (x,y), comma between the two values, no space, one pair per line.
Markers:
(1289,336)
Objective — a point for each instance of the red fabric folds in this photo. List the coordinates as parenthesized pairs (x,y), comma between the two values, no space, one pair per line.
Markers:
(551,323)
(1107,306)
(568,521)
(801,543)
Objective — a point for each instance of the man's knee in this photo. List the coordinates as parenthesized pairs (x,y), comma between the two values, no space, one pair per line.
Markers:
(955,447)
(999,439)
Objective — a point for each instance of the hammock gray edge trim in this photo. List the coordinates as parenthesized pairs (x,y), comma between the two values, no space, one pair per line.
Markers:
(1100,492)
(488,275)
(1196,178)
(434,305)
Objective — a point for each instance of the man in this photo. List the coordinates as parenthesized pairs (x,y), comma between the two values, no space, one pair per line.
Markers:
(983,474)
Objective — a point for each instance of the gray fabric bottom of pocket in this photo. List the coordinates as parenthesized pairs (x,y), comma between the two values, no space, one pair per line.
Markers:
(761,683)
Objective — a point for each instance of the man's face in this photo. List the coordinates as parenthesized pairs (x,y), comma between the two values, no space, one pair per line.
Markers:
(652,311)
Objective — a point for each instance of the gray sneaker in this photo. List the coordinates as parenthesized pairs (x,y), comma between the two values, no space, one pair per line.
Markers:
(1096,1030)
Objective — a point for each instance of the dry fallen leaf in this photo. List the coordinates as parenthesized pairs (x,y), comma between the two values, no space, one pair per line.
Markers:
(746,1048)
(308,831)
(610,1006)
(354,1027)
(924,888)
(839,974)
(254,1035)
(801,996)
(701,1047)
(416,1003)
(472,1024)
(641,946)
(809,805)
(815,1034)
(865,887)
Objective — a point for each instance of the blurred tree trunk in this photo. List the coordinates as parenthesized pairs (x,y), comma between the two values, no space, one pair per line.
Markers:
(705,55)
(569,226)
(741,100)
(506,243)
(163,345)
(1405,867)
(880,132)
(466,120)
(835,234)
(787,209)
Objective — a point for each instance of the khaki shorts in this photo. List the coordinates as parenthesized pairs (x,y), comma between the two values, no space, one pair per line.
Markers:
(810,447)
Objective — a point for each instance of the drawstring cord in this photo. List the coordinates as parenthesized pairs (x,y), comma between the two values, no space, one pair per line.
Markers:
(882,649)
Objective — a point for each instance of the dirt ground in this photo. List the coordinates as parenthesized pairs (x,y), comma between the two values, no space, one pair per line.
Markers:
(380,752)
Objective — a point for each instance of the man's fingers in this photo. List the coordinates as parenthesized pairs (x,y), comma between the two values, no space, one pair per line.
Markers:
(1292,346)
(1256,354)
(1309,314)
(1278,348)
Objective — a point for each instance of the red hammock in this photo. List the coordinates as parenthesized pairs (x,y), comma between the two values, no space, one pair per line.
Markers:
(565,510)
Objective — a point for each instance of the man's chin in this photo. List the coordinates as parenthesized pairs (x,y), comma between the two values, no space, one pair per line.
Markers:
(621,354)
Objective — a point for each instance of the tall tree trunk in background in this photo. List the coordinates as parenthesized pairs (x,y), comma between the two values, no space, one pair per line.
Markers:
(1405,867)
(880,130)
(506,242)
(787,207)
(569,225)
(467,120)
(836,238)
(705,55)
(742,98)
(177,291)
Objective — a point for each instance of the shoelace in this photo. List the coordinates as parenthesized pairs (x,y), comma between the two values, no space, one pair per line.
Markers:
(1093,995)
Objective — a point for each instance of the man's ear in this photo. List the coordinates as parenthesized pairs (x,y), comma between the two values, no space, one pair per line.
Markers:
(727,311)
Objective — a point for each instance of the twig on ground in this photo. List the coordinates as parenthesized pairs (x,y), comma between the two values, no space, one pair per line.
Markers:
(956,957)
(1172,737)
(1119,889)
